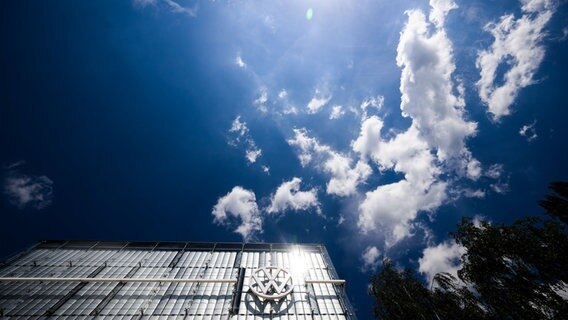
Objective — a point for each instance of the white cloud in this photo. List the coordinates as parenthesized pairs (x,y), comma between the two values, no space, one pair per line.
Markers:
(283,94)
(367,144)
(289,197)
(390,208)
(172,5)
(471,193)
(495,171)
(375,102)
(336,112)
(528,131)
(500,187)
(407,153)
(440,9)
(354,110)
(536,6)
(427,87)
(265,169)
(344,177)
(27,191)
(253,153)
(260,102)
(177,8)
(445,257)
(308,146)
(501,183)
(517,44)
(239,208)
(478,220)
(473,168)
(456,192)
(239,126)
(318,101)
(290,109)
(240,62)
(241,137)
(287,107)
(372,102)
(370,258)
(435,140)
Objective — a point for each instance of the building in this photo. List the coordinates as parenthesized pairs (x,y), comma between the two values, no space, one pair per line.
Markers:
(172,280)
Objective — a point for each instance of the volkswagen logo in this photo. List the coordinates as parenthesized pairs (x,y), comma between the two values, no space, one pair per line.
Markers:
(271,282)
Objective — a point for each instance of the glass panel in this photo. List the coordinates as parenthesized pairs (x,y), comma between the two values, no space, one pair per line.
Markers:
(166,300)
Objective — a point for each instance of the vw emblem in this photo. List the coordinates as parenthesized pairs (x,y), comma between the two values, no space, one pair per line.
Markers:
(271,282)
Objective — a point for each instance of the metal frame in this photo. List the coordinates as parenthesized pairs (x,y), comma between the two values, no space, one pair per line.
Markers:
(53,279)
(181,247)
(174,245)
(349,312)
(339,282)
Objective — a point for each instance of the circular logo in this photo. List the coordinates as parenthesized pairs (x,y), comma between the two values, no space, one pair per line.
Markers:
(271,282)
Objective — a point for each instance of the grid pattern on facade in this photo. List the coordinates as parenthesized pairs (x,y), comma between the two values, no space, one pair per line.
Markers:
(301,304)
(167,300)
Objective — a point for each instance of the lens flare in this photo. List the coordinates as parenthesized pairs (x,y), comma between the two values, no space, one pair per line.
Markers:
(309,14)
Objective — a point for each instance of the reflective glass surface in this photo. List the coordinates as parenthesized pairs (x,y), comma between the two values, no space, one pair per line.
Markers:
(169,300)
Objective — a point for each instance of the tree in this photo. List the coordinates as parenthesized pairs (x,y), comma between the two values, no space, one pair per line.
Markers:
(401,295)
(508,272)
(557,205)
(517,269)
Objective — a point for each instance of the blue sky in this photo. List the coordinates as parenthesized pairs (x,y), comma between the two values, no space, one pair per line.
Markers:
(369,126)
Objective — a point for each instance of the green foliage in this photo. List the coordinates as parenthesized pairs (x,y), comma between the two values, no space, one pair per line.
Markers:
(508,272)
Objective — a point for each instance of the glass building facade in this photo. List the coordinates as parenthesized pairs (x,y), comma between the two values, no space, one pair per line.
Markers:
(165,280)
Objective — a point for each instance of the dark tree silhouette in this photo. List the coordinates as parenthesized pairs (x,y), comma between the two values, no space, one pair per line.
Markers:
(508,272)
(401,295)
(557,205)
(517,269)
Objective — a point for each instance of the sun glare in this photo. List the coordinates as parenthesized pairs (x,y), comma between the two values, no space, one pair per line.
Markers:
(298,267)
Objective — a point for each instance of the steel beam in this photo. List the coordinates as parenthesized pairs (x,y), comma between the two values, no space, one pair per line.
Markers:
(26,279)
